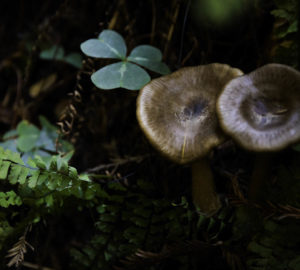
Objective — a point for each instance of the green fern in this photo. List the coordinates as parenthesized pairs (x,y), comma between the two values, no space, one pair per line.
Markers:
(40,187)
(131,219)
(52,179)
(276,247)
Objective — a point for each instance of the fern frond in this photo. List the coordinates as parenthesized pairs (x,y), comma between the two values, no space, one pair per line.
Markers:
(17,252)
(42,176)
(9,198)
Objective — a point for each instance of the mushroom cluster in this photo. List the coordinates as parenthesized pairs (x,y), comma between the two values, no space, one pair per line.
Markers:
(180,114)
(177,113)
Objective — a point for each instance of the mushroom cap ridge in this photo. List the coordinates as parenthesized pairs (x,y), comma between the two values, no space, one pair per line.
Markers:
(261,110)
(177,111)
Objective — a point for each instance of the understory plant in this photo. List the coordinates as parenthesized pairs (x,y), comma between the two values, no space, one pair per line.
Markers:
(126,73)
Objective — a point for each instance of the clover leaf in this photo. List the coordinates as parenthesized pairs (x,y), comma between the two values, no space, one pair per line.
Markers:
(126,73)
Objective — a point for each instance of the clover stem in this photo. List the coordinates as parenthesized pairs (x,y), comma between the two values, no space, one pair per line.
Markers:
(203,187)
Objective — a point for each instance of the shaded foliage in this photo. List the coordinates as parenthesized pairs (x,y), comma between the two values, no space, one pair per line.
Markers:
(128,207)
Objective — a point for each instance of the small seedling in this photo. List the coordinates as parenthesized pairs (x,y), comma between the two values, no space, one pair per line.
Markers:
(126,73)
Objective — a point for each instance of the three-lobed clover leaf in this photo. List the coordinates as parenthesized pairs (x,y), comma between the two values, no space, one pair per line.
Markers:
(127,73)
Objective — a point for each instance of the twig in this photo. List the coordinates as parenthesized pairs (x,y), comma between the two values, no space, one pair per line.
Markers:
(172,27)
(117,162)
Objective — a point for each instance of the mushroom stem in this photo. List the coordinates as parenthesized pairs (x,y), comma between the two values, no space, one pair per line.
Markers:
(203,187)
(261,174)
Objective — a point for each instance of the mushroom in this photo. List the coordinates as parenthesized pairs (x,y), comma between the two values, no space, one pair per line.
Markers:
(177,114)
(261,111)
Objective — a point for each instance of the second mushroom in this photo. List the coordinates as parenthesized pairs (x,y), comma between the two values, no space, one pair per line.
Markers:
(260,110)
(177,114)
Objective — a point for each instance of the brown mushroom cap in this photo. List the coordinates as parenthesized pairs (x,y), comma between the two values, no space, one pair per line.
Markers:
(177,111)
(261,110)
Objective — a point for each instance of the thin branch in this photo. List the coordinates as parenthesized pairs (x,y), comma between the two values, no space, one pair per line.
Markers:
(116,162)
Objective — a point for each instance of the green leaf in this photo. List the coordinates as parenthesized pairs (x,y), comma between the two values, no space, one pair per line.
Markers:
(13,156)
(146,52)
(9,134)
(4,167)
(55,52)
(293,28)
(48,126)
(62,166)
(155,66)
(32,182)
(122,74)
(49,200)
(14,174)
(41,179)
(73,173)
(109,44)
(39,163)
(149,57)
(281,13)
(28,136)
(74,59)
(23,175)
(53,163)
(9,198)
(10,144)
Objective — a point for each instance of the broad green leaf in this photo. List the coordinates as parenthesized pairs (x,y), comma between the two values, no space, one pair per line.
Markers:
(55,52)
(109,44)
(45,142)
(9,134)
(122,74)
(28,136)
(155,66)
(146,52)
(149,57)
